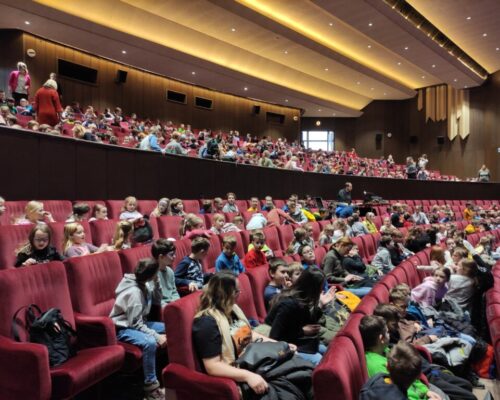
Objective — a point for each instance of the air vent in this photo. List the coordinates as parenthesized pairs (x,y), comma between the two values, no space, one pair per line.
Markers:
(203,103)
(76,71)
(176,97)
(275,118)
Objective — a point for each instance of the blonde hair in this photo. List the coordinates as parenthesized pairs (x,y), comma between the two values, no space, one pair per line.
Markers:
(122,232)
(20,65)
(295,267)
(190,222)
(32,207)
(218,217)
(69,230)
(78,131)
(50,83)
(127,201)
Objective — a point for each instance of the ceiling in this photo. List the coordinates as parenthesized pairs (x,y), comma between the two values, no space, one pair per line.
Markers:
(331,58)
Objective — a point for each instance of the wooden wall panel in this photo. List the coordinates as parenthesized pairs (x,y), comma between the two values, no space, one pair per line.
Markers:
(143,93)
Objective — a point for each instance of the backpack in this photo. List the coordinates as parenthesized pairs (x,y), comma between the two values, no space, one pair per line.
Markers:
(212,147)
(48,328)
(143,233)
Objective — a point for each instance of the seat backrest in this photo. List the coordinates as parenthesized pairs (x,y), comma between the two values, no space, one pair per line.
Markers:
(60,209)
(242,205)
(168,227)
(102,231)
(367,305)
(399,274)
(213,252)
(146,207)
(12,236)
(369,247)
(412,276)
(58,234)
(44,285)
(240,249)
(114,208)
(319,253)
(389,281)
(381,293)
(245,298)
(279,203)
(93,280)
(286,235)
(338,376)
(13,210)
(259,279)
(178,317)
(316,229)
(130,257)
(272,238)
(191,206)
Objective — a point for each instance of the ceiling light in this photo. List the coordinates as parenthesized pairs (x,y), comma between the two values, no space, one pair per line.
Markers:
(369,46)
(233,29)
(358,83)
(433,65)
(385,94)
(245,88)
(286,51)
(326,69)
(372,88)
(465,87)
(498,48)
(406,47)
(27,22)
(193,73)
(370,24)
(455,80)
(124,51)
(485,34)
(468,18)
(334,114)
(399,63)
(286,100)
(319,109)
(331,24)
(423,76)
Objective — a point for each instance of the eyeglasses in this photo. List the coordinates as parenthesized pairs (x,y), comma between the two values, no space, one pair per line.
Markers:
(41,240)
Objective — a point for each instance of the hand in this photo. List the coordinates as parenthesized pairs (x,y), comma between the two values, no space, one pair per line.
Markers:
(30,261)
(193,287)
(311,329)
(256,383)
(417,326)
(433,396)
(351,278)
(292,347)
(162,341)
(48,215)
(433,338)
(430,322)
(102,248)
(325,298)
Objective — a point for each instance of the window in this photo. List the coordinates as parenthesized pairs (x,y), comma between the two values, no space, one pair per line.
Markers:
(319,140)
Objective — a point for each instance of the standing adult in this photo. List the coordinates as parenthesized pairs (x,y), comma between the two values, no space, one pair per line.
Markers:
(483,174)
(47,105)
(20,82)
(411,168)
(53,76)
(344,197)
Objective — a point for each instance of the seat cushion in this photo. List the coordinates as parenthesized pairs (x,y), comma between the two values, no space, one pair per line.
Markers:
(85,369)
(133,357)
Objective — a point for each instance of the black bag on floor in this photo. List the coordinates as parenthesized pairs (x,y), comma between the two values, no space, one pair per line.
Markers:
(48,328)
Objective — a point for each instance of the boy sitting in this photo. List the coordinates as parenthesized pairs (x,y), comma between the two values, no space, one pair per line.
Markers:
(228,260)
(189,272)
(256,256)
(163,251)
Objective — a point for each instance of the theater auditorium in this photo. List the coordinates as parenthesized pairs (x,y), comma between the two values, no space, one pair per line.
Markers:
(249,199)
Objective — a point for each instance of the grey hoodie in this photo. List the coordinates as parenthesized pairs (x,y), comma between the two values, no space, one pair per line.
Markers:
(133,304)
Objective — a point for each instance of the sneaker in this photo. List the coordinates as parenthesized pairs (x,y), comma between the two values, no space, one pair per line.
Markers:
(149,387)
(157,394)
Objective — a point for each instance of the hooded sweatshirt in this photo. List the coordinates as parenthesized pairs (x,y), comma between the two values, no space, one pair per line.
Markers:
(133,304)
(428,292)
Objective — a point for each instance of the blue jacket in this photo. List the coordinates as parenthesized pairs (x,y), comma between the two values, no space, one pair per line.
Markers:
(187,271)
(232,264)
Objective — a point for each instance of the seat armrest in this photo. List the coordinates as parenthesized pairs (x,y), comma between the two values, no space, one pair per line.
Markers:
(190,384)
(94,331)
(24,370)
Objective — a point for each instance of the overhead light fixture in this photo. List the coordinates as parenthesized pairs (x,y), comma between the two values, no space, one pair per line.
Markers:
(318,123)
(485,34)
(406,47)
(319,109)
(286,100)
(331,24)
(465,87)
(423,76)
(372,88)
(334,114)
(233,29)
(286,52)
(124,51)
(385,94)
(369,46)
(468,18)
(326,69)
(455,80)
(433,65)
(27,22)
(245,88)
(193,73)
(358,83)
(370,24)
(399,63)
(498,48)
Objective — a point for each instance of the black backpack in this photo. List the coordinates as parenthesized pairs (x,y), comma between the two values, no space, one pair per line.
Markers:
(213,147)
(48,328)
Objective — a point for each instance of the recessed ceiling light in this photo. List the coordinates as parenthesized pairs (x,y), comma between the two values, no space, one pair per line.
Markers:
(286,51)
(423,76)
(331,24)
(370,24)
(485,34)
(498,48)
(399,62)
(245,88)
(465,87)
(433,65)
(27,22)
(385,94)
(372,88)
(358,83)
(193,73)
(319,109)
(233,29)
(369,46)
(455,80)
(334,114)
(124,51)
(406,47)
(286,100)
(468,18)
(326,69)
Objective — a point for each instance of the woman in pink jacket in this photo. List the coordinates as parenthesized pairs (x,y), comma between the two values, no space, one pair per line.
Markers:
(20,82)
(432,289)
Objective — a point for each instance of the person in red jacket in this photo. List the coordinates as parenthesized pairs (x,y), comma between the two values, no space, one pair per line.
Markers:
(20,82)
(255,256)
(47,105)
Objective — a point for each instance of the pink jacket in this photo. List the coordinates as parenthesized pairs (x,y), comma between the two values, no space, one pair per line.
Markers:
(13,81)
(428,292)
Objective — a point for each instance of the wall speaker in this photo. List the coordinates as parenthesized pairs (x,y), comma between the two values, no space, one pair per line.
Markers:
(413,139)
(378,137)
(256,109)
(121,76)
(440,140)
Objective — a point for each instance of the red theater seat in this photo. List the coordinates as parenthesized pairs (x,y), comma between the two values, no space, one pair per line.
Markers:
(58,234)
(146,207)
(60,209)
(191,206)
(316,230)
(168,227)
(285,233)
(182,375)
(245,298)
(12,236)
(21,287)
(272,238)
(130,257)
(240,249)
(102,231)
(367,305)
(213,252)
(114,208)
(242,205)
(13,211)
(259,279)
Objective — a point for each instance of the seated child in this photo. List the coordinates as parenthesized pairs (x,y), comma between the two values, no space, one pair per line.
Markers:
(189,272)
(134,298)
(122,238)
(79,212)
(163,251)
(129,210)
(432,289)
(74,242)
(228,260)
(278,272)
(193,226)
(256,256)
(38,248)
